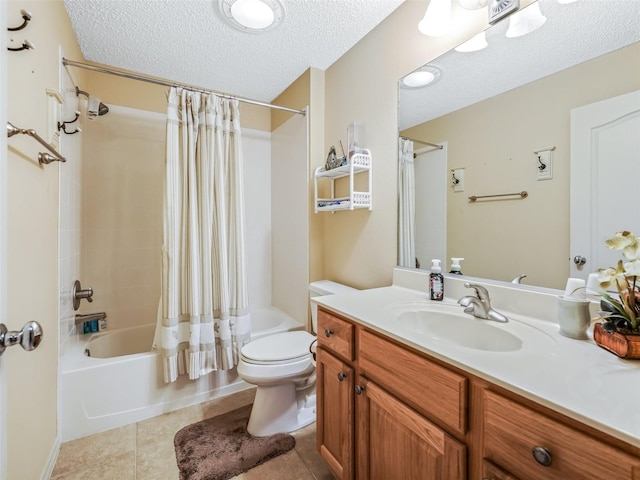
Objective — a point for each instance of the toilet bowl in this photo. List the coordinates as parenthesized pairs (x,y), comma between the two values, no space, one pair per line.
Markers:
(282,368)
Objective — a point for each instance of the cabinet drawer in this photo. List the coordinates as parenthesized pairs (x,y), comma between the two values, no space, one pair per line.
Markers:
(434,391)
(491,472)
(335,334)
(513,432)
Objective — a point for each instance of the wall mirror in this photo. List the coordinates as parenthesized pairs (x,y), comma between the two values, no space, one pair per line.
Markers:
(490,120)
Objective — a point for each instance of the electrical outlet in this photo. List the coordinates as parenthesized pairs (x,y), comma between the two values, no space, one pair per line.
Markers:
(544,165)
(457,179)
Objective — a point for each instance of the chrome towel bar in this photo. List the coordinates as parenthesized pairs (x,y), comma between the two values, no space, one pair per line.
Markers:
(522,194)
(43,158)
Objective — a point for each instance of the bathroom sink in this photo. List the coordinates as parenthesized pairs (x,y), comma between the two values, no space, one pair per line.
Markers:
(448,324)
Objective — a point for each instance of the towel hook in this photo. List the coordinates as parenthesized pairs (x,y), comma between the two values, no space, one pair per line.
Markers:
(26,45)
(63,125)
(26,16)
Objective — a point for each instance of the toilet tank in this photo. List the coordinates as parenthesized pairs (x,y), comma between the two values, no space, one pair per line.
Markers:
(321,288)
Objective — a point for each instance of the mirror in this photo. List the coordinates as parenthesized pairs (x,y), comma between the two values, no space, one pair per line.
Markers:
(499,114)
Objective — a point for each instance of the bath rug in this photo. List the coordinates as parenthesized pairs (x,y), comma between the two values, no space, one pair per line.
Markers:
(220,447)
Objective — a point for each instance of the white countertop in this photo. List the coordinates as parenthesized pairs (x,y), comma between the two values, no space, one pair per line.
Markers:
(574,377)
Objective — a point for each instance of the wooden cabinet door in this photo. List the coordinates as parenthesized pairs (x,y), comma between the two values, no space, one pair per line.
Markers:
(395,442)
(335,405)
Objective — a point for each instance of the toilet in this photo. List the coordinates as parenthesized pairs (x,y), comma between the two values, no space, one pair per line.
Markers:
(282,368)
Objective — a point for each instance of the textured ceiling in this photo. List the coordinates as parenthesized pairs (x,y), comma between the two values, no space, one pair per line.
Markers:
(187,41)
(573,33)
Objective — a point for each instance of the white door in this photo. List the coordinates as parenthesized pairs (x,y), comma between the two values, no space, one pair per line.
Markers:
(3,235)
(605,179)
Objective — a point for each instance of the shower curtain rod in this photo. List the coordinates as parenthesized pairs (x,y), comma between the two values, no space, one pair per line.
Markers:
(169,83)
(439,147)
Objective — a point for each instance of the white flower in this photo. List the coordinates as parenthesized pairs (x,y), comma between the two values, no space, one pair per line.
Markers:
(627,242)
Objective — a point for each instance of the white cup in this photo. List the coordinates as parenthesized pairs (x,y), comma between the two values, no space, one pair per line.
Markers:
(574,317)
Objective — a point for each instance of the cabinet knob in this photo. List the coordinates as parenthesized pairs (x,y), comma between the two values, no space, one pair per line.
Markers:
(328,332)
(359,389)
(541,455)
(342,376)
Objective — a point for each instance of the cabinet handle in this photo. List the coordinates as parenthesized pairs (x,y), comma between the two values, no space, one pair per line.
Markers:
(359,389)
(328,332)
(342,376)
(542,456)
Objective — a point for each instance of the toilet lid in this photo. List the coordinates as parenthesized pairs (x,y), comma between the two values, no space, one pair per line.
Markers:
(279,347)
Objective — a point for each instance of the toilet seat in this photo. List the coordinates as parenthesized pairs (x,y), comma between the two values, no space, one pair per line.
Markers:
(279,349)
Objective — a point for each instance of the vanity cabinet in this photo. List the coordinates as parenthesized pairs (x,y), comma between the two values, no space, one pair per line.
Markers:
(535,447)
(405,415)
(392,440)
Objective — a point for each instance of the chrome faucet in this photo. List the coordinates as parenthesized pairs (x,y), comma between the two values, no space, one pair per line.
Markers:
(519,278)
(80,319)
(479,305)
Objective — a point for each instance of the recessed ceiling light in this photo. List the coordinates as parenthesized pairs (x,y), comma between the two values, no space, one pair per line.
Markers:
(422,77)
(252,16)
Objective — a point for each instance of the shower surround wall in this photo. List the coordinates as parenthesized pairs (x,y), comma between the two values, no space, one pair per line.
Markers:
(122,181)
(121,245)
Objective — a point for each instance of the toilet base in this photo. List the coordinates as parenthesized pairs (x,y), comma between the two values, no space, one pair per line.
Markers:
(281,408)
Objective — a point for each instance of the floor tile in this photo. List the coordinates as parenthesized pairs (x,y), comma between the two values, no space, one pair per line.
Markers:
(121,467)
(156,461)
(285,467)
(145,451)
(86,451)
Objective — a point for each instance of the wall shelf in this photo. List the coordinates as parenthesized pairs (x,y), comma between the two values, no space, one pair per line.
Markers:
(360,162)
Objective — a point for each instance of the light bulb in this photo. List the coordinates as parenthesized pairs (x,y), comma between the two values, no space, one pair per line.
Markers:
(437,18)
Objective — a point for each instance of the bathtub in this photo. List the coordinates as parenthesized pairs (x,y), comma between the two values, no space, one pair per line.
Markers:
(120,380)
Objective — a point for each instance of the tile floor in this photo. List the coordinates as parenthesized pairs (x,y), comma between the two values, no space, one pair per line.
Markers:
(144,450)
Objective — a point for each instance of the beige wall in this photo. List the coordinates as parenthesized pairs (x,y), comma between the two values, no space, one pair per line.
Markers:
(360,247)
(494,141)
(32,270)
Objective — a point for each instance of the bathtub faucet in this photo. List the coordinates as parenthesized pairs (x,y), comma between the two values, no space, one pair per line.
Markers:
(80,319)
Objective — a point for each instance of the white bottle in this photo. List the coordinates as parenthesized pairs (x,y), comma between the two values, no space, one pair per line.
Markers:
(456,269)
(436,281)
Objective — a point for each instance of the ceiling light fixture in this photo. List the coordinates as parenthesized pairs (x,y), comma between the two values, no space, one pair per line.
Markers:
(426,75)
(473,4)
(475,43)
(252,16)
(437,18)
(525,21)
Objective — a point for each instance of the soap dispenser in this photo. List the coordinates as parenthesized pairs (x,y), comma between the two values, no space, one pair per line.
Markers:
(436,281)
(455,266)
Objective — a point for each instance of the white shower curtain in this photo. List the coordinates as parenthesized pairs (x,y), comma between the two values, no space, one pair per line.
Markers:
(407,207)
(203,317)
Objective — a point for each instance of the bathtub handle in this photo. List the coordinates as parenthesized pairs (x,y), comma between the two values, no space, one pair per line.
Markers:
(29,337)
(78,294)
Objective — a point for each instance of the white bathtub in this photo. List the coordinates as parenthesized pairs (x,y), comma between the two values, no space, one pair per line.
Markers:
(121,381)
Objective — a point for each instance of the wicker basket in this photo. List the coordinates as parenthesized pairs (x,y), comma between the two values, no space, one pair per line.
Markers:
(624,346)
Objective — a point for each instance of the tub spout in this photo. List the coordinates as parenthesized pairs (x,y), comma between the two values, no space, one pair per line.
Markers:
(80,319)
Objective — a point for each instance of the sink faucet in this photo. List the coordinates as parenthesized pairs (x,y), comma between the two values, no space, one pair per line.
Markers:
(479,305)
(519,278)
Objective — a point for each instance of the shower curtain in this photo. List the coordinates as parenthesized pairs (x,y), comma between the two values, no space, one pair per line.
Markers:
(407,200)
(203,317)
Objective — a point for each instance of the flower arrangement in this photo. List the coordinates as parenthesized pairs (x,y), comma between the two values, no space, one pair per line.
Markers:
(622,313)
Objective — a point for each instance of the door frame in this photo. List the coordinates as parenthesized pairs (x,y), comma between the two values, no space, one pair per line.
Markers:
(3,234)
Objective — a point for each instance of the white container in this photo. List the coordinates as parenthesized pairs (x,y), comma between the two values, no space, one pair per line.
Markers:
(574,317)
(355,138)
